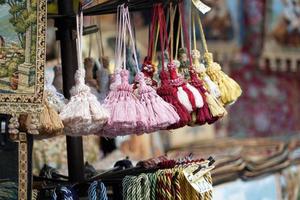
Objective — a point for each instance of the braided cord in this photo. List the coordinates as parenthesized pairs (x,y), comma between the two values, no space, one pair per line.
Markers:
(167,183)
(176,184)
(153,181)
(208,194)
(97,191)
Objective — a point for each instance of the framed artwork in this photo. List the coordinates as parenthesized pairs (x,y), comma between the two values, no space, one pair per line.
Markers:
(282,36)
(15,168)
(221,27)
(22,55)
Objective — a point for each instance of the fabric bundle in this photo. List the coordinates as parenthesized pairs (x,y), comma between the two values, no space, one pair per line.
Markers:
(83,114)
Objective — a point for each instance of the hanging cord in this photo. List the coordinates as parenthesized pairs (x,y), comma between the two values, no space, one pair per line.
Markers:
(119,44)
(97,191)
(178,37)
(185,33)
(157,26)
(152,34)
(171,36)
(203,39)
(129,27)
(194,31)
(162,34)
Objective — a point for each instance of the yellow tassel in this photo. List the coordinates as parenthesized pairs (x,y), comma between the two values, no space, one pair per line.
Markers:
(230,90)
(215,106)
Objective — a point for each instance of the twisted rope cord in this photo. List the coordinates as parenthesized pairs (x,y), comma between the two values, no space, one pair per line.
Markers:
(160,186)
(208,194)
(168,183)
(176,184)
(146,187)
(66,194)
(92,192)
(126,184)
(153,181)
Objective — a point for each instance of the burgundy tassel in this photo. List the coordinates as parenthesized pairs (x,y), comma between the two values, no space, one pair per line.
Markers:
(148,70)
(203,114)
(169,94)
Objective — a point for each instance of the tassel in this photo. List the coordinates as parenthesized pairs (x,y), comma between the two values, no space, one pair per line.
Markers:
(230,90)
(50,123)
(83,114)
(201,71)
(160,113)
(212,109)
(168,93)
(198,97)
(188,95)
(54,98)
(215,106)
(127,114)
(183,98)
(57,125)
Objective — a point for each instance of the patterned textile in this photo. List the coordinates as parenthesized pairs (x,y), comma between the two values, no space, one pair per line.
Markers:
(269,105)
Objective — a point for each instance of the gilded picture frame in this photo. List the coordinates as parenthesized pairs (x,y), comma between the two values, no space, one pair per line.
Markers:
(222,28)
(22,55)
(281,46)
(15,187)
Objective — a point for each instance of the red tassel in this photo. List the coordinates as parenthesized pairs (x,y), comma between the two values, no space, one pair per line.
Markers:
(168,93)
(203,114)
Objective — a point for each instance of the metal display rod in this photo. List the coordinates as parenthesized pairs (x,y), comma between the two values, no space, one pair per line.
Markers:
(67,35)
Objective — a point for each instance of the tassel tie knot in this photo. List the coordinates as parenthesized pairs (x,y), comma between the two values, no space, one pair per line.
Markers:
(148,69)
(124,76)
(175,79)
(116,80)
(125,86)
(208,57)
(140,78)
(196,54)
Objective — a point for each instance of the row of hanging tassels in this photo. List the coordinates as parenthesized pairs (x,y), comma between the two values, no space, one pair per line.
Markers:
(195,96)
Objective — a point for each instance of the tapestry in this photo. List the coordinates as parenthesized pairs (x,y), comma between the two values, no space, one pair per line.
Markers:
(22,55)
(269,105)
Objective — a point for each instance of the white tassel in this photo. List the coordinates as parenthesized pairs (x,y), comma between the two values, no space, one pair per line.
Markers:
(83,114)
(197,96)
(213,88)
(184,99)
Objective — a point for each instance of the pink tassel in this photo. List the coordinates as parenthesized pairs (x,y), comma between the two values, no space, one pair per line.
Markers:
(160,113)
(128,116)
